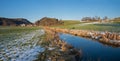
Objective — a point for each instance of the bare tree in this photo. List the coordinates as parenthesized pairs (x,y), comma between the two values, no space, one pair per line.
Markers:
(105,19)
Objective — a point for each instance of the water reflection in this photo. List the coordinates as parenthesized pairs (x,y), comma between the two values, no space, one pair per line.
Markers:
(92,50)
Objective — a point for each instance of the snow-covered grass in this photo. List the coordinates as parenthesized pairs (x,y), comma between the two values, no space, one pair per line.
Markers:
(21,45)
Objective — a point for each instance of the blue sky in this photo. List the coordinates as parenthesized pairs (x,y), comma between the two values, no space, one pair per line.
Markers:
(61,9)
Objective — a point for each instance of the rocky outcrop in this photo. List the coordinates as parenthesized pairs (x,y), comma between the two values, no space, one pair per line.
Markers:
(13,21)
(48,21)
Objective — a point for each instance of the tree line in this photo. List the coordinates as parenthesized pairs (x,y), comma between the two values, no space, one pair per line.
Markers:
(96,18)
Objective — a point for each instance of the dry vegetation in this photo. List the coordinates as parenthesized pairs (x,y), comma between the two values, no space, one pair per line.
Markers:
(56,49)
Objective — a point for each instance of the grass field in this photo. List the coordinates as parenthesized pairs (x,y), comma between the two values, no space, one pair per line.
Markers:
(11,29)
(112,26)
(13,32)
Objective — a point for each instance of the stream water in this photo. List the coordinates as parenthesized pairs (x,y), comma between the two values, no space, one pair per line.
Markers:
(92,50)
(21,48)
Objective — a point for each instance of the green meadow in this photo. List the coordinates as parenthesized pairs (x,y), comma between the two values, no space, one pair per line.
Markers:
(105,26)
(12,32)
(14,29)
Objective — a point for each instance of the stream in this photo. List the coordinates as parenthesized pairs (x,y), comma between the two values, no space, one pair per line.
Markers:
(24,47)
(92,50)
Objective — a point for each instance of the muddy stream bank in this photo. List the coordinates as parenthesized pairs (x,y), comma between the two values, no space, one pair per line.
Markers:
(57,49)
(93,47)
(109,38)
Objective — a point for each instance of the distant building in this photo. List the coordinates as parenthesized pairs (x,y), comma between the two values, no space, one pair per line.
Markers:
(22,25)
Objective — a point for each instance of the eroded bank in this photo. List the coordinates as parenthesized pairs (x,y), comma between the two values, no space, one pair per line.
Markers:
(104,37)
(56,49)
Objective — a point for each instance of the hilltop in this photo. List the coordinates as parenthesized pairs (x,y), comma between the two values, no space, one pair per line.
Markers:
(13,21)
(46,21)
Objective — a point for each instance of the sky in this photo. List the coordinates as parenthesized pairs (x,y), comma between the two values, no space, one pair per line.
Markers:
(34,10)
